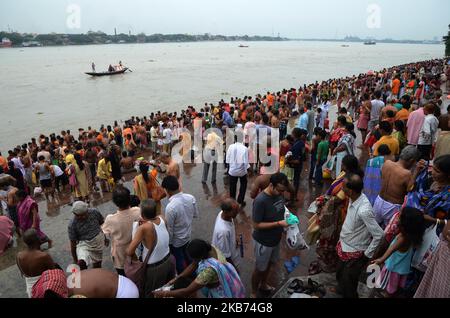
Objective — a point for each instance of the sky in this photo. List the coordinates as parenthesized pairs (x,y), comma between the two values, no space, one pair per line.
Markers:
(399,19)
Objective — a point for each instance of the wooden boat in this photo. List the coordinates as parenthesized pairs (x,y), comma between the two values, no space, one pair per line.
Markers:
(370,43)
(243,45)
(107,73)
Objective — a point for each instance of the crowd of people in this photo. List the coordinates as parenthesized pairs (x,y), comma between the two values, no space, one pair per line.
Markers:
(382,213)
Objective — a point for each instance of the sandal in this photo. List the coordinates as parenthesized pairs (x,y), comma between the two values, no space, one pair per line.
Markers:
(314,269)
(316,288)
(296,286)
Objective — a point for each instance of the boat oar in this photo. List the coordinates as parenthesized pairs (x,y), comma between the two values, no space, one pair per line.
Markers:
(130,70)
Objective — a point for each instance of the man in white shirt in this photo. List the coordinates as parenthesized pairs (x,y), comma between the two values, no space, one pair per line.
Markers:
(325,107)
(375,110)
(224,235)
(237,159)
(167,138)
(154,137)
(60,177)
(360,236)
(428,132)
(180,211)
(45,153)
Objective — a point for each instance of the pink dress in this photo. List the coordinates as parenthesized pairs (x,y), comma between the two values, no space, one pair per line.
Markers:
(363,121)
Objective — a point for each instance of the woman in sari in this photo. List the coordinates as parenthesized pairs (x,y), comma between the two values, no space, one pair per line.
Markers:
(345,146)
(436,282)
(332,209)
(433,200)
(214,275)
(83,176)
(145,183)
(27,210)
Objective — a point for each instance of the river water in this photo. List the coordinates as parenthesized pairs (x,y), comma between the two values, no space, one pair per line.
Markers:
(44,89)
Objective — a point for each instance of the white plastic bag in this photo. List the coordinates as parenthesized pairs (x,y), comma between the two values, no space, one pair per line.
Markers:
(423,254)
(313,207)
(294,239)
(37,191)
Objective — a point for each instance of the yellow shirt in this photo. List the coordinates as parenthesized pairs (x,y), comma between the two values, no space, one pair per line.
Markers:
(104,169)
(391,142)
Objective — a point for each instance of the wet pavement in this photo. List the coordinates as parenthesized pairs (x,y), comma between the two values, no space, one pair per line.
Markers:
(55,219)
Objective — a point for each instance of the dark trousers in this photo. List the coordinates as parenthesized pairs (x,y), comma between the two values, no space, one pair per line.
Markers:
(318,174)
(312,165)
(206,171)
(242,189)
(348,274)
(297,173)
(182,259)
(62,179)
(206,164)
(425,151)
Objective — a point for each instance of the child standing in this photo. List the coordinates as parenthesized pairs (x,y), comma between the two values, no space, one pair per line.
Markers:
(397,259)
(314,144)
(323,149)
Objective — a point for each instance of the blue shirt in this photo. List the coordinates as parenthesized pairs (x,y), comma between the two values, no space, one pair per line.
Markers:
(298,150)
(227,119)
(303,122)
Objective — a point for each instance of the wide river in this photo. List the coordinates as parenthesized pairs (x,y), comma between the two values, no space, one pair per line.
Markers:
(44,90)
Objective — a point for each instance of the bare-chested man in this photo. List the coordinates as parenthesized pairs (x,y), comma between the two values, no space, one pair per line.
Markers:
(262,181)
(274,120)
(127,163)
(173,168)
(397,180)
(101,283)
(32,262)
(8,196)
(91,283)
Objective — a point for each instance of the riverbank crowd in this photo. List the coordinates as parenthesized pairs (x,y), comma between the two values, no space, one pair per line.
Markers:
(389,213)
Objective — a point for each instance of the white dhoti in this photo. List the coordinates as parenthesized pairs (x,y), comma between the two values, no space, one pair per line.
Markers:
(91,251)
(30,281)
(126,288)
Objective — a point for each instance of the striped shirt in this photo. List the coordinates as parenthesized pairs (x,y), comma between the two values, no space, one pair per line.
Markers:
(360,232)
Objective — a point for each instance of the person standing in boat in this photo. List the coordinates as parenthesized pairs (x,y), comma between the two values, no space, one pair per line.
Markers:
(93,67)
(120,65)
(110,68)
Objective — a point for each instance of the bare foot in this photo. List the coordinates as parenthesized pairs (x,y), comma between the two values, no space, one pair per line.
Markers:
(267,288)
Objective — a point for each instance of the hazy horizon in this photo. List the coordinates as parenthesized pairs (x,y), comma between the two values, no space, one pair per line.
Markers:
(324,19)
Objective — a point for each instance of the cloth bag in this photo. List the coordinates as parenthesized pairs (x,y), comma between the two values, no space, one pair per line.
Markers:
(423,254)
(135,269)
(313,231)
